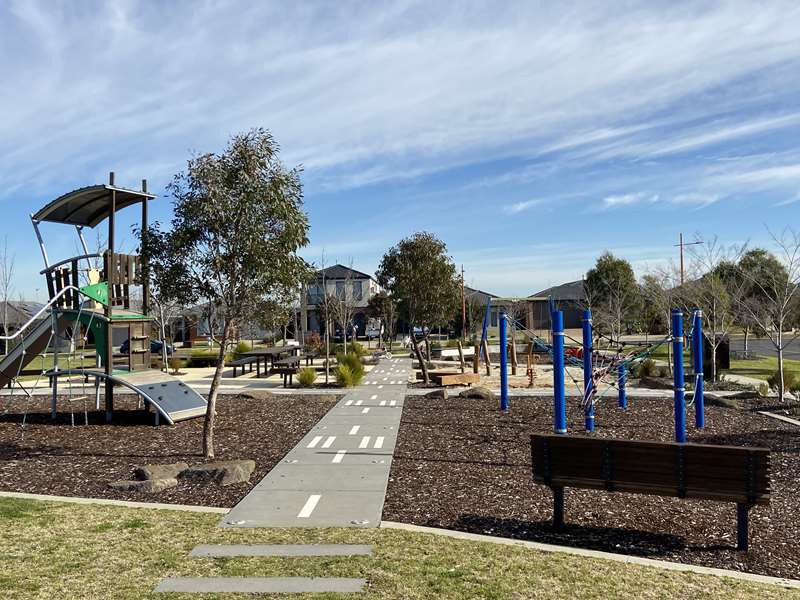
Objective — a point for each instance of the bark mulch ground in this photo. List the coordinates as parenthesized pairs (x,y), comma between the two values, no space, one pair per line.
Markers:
(53,457)
(461,464)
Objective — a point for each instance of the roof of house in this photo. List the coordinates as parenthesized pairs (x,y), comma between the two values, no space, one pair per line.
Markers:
(573,290)
(19,311)
(468,291)
(341,272)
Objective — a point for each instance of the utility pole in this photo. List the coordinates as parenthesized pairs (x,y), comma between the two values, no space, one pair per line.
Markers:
(463,308)
(681,244)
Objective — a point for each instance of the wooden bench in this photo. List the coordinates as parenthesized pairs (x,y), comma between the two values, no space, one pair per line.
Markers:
(309,356)
(288,367)
(241,363)
(722,473)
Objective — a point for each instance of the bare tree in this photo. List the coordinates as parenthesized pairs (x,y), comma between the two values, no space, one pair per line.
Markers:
(7,264)
(660,289)
(709,288)
(774,306)
(343,302)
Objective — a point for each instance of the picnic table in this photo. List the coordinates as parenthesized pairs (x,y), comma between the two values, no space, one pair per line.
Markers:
(287,367)
(271,355)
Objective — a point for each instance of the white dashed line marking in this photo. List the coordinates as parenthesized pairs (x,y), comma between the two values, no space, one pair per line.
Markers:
(359,402)
(365,410)
(379,441)
(393,403)
(355,429)
(380,387)
(383,402)
(313,443)
(329,441)
(309,506)
(348,403)
(364,442)
(339,456)
(373,397)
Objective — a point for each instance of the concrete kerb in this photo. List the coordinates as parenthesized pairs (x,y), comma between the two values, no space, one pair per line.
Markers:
(121,503)
(779,417)
(624,558)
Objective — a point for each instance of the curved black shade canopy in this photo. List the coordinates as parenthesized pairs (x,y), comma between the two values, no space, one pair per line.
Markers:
(88,206)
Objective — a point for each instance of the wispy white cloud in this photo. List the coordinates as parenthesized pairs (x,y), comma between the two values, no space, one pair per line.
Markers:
(518,207)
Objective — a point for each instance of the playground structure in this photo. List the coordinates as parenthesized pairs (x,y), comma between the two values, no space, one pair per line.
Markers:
(88,303)
(604,370)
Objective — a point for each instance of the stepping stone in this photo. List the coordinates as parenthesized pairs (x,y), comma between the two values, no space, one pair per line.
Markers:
(260,585)
(283,550)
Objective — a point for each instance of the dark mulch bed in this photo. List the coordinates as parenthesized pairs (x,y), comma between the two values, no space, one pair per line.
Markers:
(461,464)
(53,457)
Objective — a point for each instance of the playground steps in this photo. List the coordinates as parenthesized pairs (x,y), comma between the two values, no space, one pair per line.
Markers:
(176,400)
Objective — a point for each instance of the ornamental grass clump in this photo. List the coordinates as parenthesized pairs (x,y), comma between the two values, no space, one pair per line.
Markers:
(349,370)
(306,377)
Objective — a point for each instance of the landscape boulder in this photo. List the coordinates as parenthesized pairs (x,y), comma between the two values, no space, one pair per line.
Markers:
(437,394)
(225,472)
(168,471)
(148,486)
(655,383)
(478,393)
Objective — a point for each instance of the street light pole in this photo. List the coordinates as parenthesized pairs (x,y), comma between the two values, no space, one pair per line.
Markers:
(681,244)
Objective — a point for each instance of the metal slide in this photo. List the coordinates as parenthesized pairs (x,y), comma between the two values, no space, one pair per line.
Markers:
(28,349)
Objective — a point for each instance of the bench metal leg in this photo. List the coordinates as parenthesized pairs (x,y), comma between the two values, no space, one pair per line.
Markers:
(742,526)
(558,508)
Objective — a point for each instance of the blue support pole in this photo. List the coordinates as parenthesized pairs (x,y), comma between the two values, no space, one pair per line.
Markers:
(484,333)
(699,385)
(622,381)
(503,364)
(559,400)
(588,380)
(677,369)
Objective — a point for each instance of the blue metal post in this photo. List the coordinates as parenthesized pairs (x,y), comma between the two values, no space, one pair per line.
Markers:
(503,364)
(588,382)
(699,385)
(622,381)
(484,333)
(677,369)
(559,400)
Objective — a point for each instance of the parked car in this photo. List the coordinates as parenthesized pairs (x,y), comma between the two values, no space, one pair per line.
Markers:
(155,347)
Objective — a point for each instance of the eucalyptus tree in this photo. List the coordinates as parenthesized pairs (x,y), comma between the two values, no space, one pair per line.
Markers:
(421,276)
(237,226)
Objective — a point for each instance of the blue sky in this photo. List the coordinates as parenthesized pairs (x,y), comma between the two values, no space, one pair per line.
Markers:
(529,136)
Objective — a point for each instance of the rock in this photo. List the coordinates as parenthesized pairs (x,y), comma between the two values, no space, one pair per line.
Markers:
(224,472)
(148,486)
(438,394)
(655,384)
(478,393)
(169,471)
(710,399)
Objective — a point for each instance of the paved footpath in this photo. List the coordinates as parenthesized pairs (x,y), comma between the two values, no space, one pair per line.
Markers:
(337,475)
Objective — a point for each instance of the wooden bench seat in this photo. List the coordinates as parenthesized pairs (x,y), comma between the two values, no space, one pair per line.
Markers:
(722,473)
(288,367)
(241,363)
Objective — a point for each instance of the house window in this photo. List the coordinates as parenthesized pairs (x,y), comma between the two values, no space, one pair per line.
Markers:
(494,317)
(340,290)
(357,290)
(315,295)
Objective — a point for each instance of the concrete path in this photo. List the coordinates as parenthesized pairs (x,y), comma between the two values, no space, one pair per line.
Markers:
(337,475)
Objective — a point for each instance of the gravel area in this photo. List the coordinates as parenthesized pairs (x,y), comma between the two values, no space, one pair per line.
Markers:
(54,457)
(461,464)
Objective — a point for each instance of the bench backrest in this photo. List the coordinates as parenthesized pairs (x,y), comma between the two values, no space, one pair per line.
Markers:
(728,473)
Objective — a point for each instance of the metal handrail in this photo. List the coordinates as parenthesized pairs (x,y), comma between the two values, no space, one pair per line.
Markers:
(69,260)
(42,310)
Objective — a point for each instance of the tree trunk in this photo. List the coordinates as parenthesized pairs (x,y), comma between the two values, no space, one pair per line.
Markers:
(423,364)
(208,425)
(669,346)
(461,356)
(746,339)
(476,359)
(781,382)
(427,347)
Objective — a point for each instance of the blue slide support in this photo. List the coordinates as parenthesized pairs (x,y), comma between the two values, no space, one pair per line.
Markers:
(699,385)
(484,333)
(588,380)
(503,364)
(559,400)
(677,352)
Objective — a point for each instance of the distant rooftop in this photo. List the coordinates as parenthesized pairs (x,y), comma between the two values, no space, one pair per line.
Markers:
(573,290)
(341,272)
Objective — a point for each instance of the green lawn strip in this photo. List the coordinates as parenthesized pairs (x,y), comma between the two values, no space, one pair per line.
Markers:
(763,367)
(61,550)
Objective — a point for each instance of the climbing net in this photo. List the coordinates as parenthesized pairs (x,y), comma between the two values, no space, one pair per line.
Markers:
(60,334)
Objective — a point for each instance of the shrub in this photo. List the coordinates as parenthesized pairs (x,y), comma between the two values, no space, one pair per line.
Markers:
(648,368)
(314,341)
(763,390)
(452,343)
(795,387)
(242,347)
(356,348)
(306,377)
(349,370)
(175,363)
(664,372)
(789,379)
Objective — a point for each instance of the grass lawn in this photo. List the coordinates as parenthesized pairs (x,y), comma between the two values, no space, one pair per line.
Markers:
(59,550)
(763,367)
